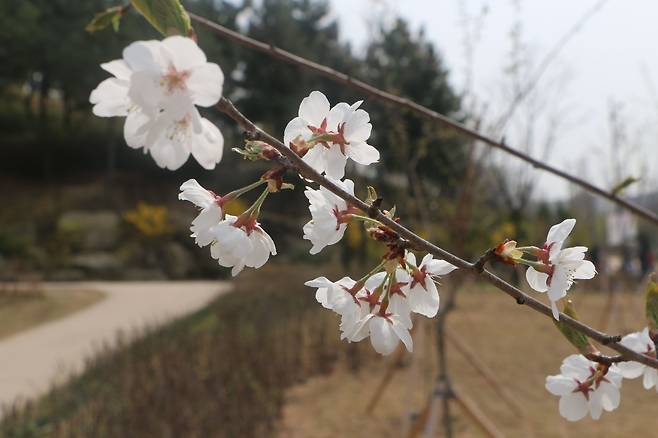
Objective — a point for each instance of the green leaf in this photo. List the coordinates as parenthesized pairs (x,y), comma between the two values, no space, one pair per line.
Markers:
(110,16)
(167,16)
(575,337)
(652,303)
(624,184)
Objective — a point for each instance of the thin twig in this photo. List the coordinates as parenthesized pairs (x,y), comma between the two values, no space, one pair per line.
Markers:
(420,110)
(419,243)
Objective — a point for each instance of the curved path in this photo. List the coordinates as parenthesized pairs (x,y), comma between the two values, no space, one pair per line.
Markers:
(32,360)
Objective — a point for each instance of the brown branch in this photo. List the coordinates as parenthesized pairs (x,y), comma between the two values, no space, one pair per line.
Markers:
(605,360)
(421,110)
(419,243)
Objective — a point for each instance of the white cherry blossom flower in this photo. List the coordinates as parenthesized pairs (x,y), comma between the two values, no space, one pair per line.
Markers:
(585,387)
(385,331)
(385,327)
(422,293)
(398,304)
(329,216)
(359,305)
(156,87)
(171,142)
(335,296)
(560,266)
(345,130)
(211,211)
(642,343)
(240,243)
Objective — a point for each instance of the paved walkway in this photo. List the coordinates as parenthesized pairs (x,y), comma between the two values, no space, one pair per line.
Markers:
(32,360)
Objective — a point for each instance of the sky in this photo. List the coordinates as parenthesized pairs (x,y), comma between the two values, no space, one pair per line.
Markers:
(610,62)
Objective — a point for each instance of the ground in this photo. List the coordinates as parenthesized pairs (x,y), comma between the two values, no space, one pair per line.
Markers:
(35,359)
(22,308)
(518,345)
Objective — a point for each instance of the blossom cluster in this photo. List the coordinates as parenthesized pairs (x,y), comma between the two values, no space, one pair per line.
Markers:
(157,86)
(585,386)
(380,304)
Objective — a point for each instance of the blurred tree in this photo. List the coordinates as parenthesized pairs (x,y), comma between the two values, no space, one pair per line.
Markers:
(272,89)
(429,159)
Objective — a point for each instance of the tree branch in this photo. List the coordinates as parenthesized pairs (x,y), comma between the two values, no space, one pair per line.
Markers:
(419,243)
(421,110)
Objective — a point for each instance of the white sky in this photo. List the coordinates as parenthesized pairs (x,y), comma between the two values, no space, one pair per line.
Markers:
(604,61)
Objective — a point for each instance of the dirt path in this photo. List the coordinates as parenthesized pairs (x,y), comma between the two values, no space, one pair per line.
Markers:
(31,360)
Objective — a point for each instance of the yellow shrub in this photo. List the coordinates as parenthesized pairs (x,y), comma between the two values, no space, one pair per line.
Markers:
(150,220)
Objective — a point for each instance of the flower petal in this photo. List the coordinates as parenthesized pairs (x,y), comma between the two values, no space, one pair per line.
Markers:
(559,232)
(205,83)
(119,68)
(297,127)
(314,108)
(208,147)
(536,280)
(559,385)
(573,406)
(335,163)
(184,52)
(362,153)
(193,192)
(382,336)
(110,98)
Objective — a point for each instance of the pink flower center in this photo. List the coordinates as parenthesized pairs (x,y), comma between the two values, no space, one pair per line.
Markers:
(396,288)
(344,216)
(175,80)
(247,223)
(418,277)
(371,299)
(335,137)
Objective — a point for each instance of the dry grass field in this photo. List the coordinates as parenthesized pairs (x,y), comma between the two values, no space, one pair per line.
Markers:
(21,308)
(519,346)
(265,360)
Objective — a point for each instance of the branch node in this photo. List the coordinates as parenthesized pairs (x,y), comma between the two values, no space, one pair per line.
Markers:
(482,261)
(520,300)
(611,339)
(605,360)
(373,210)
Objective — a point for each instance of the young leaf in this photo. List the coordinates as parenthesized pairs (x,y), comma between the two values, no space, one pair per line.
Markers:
(110,16)
(652,303)
(624,184)
(576,338)
(167,16)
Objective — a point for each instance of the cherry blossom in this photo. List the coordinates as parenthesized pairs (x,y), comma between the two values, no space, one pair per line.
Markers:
(585,386)
(423,295)
(326,137)
(211,211)
(383,315)
(360,306)
(156,87)
(329,216)
(335,295)
(385,330)
(558,268)
(239,242)
(640,342)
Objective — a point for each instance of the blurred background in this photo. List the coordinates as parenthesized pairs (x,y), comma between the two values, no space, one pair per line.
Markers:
(570,84)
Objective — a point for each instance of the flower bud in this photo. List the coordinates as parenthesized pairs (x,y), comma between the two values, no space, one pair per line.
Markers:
(508,253)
